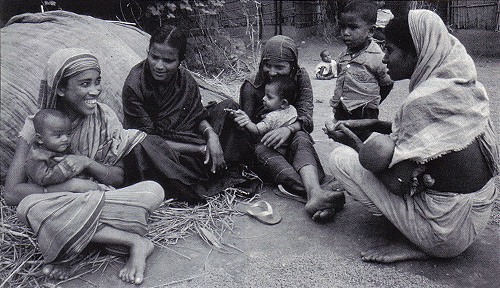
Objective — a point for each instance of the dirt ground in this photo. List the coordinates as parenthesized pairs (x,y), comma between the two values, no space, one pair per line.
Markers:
(300,253)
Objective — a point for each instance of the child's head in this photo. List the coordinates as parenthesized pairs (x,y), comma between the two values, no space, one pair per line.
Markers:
(376,153)
(52,129)
(325,56)
(379,4)
(357,24)
(279,93)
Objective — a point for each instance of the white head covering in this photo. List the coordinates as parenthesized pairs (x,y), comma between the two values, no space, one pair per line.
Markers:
(447,108)
(440,54)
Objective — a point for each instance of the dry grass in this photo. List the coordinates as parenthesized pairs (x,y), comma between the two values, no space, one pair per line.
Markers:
(176,220)
(21,262)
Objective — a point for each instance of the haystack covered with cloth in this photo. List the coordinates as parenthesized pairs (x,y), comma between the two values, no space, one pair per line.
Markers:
(28,40)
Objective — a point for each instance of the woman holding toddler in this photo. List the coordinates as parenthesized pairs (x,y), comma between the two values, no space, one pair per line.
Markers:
(67,216)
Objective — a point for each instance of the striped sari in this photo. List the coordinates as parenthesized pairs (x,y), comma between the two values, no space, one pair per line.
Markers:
(65,222)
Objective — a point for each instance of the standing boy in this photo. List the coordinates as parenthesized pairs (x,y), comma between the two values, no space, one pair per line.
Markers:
(362,82)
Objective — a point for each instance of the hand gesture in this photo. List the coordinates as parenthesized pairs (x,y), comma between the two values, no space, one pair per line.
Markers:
(77,163)
(275,138)
(241,118)
(342,134)
(214,153)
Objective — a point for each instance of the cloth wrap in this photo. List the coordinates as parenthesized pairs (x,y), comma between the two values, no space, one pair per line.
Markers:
(65,222)
(447,108)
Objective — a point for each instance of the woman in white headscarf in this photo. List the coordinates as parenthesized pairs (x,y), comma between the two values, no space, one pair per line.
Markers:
(66,217)
(437,186)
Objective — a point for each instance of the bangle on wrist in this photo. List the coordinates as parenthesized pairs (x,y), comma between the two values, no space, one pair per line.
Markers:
(204,150)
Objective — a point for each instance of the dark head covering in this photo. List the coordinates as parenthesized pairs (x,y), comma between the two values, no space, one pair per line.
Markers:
(278,48)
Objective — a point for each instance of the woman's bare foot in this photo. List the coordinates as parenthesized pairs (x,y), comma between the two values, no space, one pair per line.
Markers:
(133,271)
(393,253)
(323,204)
(56,271)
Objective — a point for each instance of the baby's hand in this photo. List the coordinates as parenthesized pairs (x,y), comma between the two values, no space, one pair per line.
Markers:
(241,117)
(78,163)
(428,180)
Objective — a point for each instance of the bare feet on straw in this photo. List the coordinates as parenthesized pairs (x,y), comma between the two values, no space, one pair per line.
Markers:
(57,272)
(133,271)
(393,253)
(323,204)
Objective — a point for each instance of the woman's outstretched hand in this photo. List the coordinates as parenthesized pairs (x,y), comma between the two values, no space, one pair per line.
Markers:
(275,138)
(341,132)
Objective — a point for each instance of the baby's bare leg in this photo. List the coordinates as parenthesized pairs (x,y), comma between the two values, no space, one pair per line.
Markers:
(140,249)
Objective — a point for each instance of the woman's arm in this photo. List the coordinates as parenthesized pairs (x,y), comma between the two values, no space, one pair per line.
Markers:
(358,125)
(110,175)
(397,179)
(214,151)
(275,138)
(304,102)
(249,101)
(106,174)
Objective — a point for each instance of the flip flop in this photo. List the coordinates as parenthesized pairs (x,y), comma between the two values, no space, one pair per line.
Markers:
(262,211)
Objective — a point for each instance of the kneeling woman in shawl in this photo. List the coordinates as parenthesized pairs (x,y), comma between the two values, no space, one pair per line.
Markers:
(437,186)
(187,144)
(67,216)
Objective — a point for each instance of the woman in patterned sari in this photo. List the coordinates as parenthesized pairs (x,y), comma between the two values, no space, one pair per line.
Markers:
(68,216)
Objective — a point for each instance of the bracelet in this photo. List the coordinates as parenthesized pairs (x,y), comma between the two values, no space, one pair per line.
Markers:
(204,150)
(206,129)
(401,181)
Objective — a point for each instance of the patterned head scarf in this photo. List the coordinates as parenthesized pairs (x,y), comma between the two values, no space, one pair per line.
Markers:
(62,64)
(280,48)
(447,107)
(277,48)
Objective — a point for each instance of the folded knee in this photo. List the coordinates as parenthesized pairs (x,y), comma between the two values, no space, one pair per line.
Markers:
(230,103)
(261,150)
(341,155)
(155,194)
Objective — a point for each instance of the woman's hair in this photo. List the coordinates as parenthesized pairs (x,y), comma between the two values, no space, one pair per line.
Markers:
(285,86)
(173,37)
(398,33)
(366,10)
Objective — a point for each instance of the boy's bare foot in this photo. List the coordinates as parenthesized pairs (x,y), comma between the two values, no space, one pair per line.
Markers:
(323,204)
(133,271)
(56,271)
(393,253)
